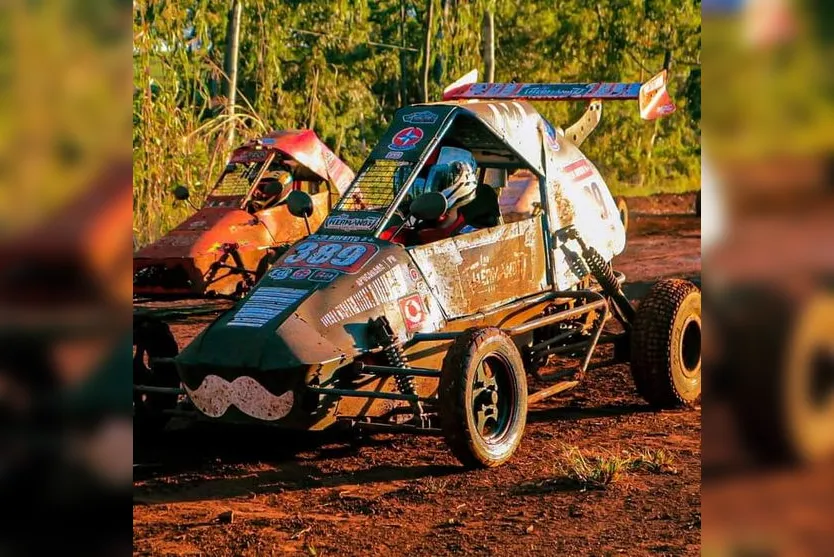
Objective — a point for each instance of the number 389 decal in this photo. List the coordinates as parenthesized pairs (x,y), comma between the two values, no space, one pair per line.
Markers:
(347,257)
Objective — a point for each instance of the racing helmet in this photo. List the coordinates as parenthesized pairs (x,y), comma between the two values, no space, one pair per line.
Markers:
(279,181)
(454,176)
(460,184)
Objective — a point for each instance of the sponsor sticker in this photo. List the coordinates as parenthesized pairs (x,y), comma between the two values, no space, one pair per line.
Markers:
(551,134)
(387,287)
(413,312)
(281,273)
(324,275)
(422,117)
(579,170)
(666,109)
(394,155)
(301,274)
(249,156)
(496,90)
(406,139)
(265,304)
(350,223)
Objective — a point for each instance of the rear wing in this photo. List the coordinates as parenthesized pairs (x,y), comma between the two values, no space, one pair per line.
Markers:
(653,98)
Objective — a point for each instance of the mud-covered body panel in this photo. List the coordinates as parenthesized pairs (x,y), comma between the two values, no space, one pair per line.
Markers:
(215,234)
(485,269)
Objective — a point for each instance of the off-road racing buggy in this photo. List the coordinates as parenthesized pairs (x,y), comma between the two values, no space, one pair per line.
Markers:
(402,314)
(221,250)
(227,244)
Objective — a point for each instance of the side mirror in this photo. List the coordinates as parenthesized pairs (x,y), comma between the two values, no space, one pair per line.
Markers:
(429,206)
(300,204)
(181,193)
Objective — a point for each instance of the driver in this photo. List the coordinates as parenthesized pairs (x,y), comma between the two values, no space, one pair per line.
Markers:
(458,183)
(273,188)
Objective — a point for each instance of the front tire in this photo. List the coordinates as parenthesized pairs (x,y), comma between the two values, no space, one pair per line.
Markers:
(153,339)
(483,398)
(666,345)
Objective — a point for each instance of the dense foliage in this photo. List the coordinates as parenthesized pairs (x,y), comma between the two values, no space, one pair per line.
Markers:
(330,65)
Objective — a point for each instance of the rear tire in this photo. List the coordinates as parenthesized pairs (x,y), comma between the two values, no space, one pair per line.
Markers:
(666,345)
(483,398)
(784,396)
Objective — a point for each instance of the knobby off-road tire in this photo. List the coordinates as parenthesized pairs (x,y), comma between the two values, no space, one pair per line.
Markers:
(622,208)
(483,398)
(666,345)
(153,339)
(784,393)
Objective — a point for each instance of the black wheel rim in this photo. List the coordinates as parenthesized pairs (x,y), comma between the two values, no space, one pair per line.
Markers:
(822,376)
(493,399)
(691,348)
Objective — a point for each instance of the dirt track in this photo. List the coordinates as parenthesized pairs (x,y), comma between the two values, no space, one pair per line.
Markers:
(383,495)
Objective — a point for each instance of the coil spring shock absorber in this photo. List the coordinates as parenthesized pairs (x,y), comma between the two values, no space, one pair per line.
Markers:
(383,335)
(604,274)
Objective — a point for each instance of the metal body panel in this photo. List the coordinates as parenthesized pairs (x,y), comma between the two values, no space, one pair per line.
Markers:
(484,269)
(209,236)
(577,196)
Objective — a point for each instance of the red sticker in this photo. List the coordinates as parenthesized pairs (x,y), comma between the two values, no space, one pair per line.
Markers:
(413,312)
(579,170)
(406,139)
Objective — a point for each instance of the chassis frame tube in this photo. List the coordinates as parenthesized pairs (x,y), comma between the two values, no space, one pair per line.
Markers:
(389,370)
(369,394)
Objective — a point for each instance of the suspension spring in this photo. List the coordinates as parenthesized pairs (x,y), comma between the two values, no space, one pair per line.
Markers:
(602,271)
(604,274)
(383,335)
(397,358)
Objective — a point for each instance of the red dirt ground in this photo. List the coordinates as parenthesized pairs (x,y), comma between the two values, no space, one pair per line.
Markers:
(383,495)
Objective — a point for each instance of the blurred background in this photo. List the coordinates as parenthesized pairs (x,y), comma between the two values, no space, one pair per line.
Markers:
(768,261)
(65,276)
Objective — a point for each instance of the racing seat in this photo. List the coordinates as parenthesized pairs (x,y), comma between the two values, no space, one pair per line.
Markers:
(483,211)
